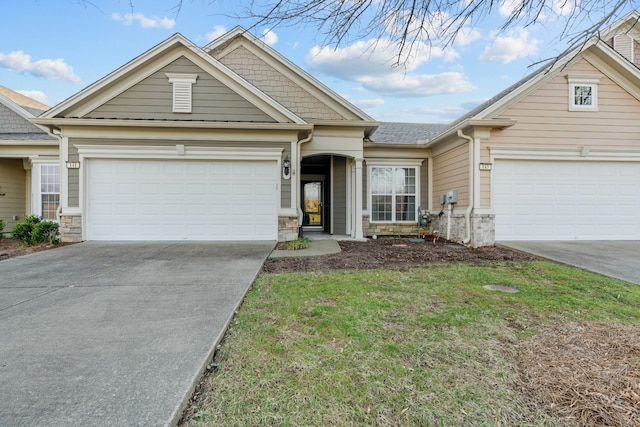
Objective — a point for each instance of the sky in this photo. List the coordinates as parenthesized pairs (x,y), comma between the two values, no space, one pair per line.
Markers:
(52,49)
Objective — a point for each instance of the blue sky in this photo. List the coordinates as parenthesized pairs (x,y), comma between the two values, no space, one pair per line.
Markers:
(51,49)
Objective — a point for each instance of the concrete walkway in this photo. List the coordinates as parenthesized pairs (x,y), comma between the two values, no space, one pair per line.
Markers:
(115,334)
(315,248)
(618,259)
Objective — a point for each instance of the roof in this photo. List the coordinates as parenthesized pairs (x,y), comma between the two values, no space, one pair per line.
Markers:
(24,101)
(407,133)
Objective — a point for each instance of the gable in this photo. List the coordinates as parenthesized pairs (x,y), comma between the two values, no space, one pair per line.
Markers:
(152,98)
(544,119)
(12,122)
(277,85)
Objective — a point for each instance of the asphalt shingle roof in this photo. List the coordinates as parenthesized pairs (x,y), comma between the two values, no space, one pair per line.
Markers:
(407,133)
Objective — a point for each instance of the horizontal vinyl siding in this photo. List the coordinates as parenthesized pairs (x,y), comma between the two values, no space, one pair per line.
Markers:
(544,120)
(451,172)
(152,98)
(423,198)
(339,195)
(485,180)
(13,179)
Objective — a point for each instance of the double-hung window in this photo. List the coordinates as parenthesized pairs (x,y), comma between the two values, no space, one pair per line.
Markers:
(49,198)
(393,193)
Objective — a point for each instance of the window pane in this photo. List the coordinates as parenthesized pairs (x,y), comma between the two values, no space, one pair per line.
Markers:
(405,208)
(583,95)
(381,180)
(50,204)
(381,208)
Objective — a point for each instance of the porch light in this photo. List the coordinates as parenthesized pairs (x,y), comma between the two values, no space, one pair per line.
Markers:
(286,168)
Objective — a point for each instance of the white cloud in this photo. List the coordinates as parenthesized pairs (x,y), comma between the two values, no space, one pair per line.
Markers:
(370,58)
(564,7)
(35,94)
(269,37)
(218,30)
(513,46)
(368,103)
(408,85)
(145,22)
(509,7)
(467,36)
(50,69)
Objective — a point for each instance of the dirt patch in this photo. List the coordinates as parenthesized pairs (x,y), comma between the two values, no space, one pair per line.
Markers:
(394,253)
(10,248)
(586,374)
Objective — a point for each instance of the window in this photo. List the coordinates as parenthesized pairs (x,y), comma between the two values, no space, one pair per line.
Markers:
(182,91)
(49,191)
(583,92)
(393,194)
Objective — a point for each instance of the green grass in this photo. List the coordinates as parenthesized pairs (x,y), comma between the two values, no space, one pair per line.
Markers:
(425,346)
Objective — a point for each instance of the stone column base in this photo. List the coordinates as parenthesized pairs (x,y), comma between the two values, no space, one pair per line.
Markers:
(287,228)
(71,228)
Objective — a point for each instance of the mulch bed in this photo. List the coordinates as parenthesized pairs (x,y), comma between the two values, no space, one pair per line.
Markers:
(10,248)
(585,374)
(394,253)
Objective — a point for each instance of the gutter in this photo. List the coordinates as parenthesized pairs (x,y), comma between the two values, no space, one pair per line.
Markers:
(470,206)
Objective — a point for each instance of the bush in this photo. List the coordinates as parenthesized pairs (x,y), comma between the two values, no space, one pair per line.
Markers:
(33,230)
(2,226)
(294,245)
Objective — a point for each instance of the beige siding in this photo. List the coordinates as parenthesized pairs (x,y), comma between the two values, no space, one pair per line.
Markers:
(451,172)
(13,180)
(544,119)
(423,197)
(365,186)
(339,195)
(152,98)
(276,85)
(74,176)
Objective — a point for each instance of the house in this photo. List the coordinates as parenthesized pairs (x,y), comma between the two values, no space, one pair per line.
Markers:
(234,142)
(29,166)
(554,157)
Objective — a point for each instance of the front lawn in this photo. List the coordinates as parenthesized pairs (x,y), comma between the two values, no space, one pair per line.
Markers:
(423,346)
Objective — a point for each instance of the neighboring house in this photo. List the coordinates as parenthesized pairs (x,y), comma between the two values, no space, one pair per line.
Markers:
(29,166)
(554,157)
(234,142)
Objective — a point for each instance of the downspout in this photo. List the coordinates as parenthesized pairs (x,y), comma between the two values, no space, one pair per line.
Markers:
(472,159)
(298,179)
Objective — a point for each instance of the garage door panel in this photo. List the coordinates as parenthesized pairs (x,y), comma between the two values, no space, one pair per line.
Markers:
(566,200)
(169,200)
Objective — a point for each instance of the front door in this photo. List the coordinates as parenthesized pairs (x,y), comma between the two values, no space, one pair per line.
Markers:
(312,204)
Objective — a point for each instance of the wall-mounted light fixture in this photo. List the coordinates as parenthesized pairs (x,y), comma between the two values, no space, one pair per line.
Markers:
(286,168)
(73,165)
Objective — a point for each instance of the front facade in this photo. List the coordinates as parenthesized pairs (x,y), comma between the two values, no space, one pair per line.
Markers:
(556,156)
(29,165)
(233,142)
(224,142)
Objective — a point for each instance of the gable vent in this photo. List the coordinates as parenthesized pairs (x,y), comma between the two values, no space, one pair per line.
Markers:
(182,91)
(623,44)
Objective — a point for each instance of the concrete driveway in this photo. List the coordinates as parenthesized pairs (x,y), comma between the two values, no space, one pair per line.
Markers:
(618,259)
(100,334)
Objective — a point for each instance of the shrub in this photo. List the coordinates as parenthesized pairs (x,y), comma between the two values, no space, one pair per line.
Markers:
(33,230)
(2,226)
(294,245)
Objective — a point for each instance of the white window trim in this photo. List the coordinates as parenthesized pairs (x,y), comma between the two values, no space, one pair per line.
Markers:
(182,91)
(576,80)
(36,178)
(392,163)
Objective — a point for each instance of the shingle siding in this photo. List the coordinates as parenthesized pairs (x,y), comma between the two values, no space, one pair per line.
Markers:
(12,122)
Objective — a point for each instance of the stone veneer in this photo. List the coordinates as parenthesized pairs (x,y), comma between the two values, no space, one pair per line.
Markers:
(71,228)
(482,226)
(287,228)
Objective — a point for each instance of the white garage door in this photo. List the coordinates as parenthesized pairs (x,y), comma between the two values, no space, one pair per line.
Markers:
(178,200)
(555,200)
